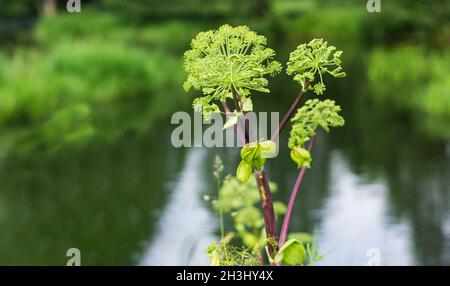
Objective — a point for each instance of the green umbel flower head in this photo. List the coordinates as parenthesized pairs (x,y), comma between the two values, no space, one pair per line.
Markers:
(227,60)
(312,59)
(309,117)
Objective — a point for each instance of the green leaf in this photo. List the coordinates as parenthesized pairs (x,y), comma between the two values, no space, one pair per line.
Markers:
(258,162)
(303,237)
(252,154)
(248,152)
(292,253)
(268,148)
(244,171)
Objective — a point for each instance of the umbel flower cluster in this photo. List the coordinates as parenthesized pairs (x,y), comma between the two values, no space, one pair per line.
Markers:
(230,62)
(234,62)
(313,114)
(311,59)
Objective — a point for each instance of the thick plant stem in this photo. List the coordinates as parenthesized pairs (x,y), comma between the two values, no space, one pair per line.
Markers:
(290,207)
(268,211)
(288,115)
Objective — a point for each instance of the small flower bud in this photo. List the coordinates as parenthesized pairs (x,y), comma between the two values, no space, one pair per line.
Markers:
(301,156)
(244,171)
(248,152)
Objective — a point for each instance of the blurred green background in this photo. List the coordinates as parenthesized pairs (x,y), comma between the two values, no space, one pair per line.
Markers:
(85,106)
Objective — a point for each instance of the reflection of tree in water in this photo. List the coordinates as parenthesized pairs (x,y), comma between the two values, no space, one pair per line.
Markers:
(420,191)
(186,227)
(98,200)
(382,143)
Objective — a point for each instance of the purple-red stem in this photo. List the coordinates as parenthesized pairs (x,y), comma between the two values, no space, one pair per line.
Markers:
(270,222)
(290,207)
(264,192)
(263,182)
(288,115)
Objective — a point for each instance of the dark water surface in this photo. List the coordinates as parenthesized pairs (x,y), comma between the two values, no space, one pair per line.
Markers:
(376,186)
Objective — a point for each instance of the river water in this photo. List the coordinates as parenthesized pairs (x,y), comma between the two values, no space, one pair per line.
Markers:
(377,193)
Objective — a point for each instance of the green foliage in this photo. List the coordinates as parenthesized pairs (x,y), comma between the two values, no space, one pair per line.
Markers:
(435,107)
(254,156)
(78,91)
(241,200)
(161,36)
(89,76)
(312,254)
(421,81)
(402,69)
(341,24)
(92,25)
(303,237)
(225,254)
(348,23)
(313,114)
(13,8)
(415,21)
(227,61)
(89,25)
(299,250)
(311,59)
(292,253)
(145,9)
(292,8)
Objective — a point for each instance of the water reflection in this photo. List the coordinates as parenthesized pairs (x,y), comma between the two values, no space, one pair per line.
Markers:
(355,219)
(186,227)
(98,199)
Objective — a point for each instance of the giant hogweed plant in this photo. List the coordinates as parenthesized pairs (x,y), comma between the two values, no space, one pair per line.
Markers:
(229,66)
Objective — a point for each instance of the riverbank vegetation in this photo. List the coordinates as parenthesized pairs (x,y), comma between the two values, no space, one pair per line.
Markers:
(421,81)
(75,74)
